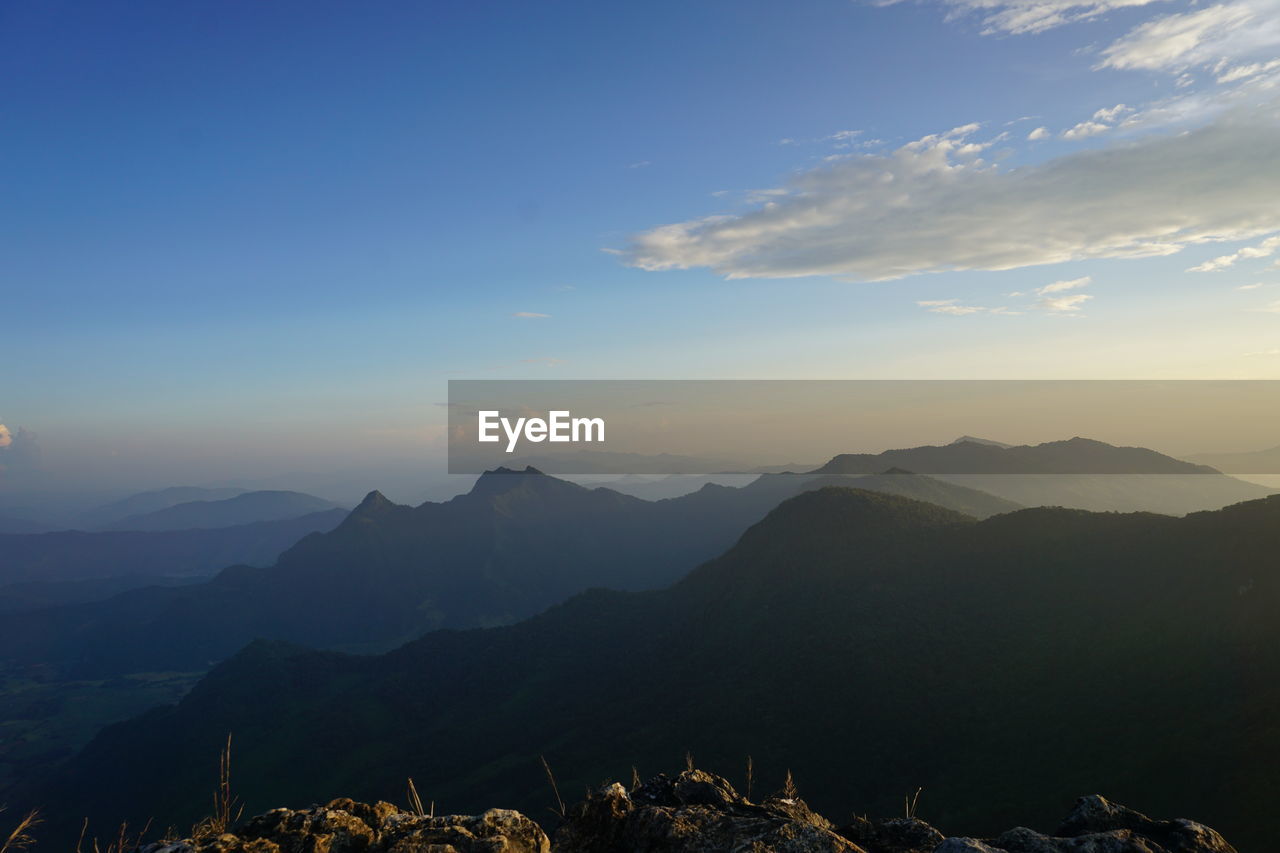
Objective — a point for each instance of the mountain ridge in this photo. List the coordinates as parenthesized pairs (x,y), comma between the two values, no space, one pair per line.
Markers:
(864,640)
(516,543)
(243,508)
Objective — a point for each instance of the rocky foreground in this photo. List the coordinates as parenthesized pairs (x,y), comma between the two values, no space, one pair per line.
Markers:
(695,812)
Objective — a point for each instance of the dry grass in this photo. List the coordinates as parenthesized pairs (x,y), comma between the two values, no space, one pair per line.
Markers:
(909,803)
(555,789)
(789,791)
(226,807)
(415,802)
(122,843)
(20,838)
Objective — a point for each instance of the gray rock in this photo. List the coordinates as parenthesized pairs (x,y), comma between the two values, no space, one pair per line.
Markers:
(1023,840)
(696,812)
(693,812)
(895,835)
(1096,814)
(345,826)
(960,844)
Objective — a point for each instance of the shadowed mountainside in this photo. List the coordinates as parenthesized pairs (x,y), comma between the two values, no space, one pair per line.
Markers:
(517,543)
(872,644)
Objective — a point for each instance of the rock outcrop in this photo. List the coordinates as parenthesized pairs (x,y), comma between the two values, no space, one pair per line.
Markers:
(693,812)
(345,826)
(699,812)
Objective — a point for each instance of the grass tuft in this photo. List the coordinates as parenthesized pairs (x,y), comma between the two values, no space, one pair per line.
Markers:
(555,789)
(20,838)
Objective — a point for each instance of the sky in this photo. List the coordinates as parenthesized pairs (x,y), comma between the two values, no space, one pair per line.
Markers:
(241,240)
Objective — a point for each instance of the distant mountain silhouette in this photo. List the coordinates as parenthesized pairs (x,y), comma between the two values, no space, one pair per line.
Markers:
(245,508)
(1250,462)
(1078,472)
(74,566)
(517,543)
(39,595)
(987,441)
(1073,456)
(148,502)
(894,481)
(11,525)
(869,643)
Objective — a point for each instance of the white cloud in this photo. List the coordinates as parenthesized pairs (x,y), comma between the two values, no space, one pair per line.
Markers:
(1272,307)
(1038,133)
(952,307)
(1233,73)
(1049,301)
(1070,304)
(1064,304)
(1264,352)
(949,306)
(935,204)
(1265,249)
(843,136)
(639,164)
(1032,16)
(1060,286)
(766,195)
(1101,122)
(1111,113)
(530,315)
(19,451)
(1250,286)
(1212,36)
(1085,129)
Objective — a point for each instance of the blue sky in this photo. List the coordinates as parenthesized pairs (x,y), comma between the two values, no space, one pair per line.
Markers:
(252,238)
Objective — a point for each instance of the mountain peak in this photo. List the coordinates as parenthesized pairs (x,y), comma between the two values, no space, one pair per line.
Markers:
(503,469)
(373,500)
(502,480)
(840,511)
(374,504)
(969,439)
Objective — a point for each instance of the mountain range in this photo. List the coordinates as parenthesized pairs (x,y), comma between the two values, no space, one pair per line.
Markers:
(1249,462)
(522,541)
(245,508)
(869,643)
(71,566)
(144,503)
(11,525)
(517,543)
(1078,472)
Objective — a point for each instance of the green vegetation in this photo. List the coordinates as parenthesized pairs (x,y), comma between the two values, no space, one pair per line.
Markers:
(44,721)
